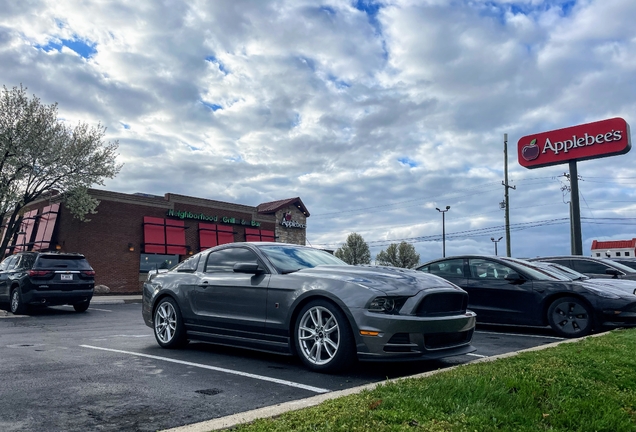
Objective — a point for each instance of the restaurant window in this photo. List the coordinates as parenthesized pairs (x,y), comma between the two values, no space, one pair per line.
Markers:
(46,225)
(626,253)
(211,235)
(152,262)
(164,236)
(255,235)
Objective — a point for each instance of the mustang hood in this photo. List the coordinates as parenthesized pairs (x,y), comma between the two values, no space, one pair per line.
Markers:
(390,280)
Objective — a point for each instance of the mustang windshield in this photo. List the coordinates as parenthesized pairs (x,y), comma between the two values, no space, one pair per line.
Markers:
(287,259)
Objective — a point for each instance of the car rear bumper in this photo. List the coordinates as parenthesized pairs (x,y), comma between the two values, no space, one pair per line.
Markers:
(57,297)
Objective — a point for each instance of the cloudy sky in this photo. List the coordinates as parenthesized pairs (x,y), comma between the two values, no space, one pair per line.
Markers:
(374,113)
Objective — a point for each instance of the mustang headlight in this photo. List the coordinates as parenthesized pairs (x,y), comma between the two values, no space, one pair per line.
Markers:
(387,305)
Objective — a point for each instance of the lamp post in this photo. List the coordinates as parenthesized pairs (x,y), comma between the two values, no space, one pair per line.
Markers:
(495,242)
(443,229)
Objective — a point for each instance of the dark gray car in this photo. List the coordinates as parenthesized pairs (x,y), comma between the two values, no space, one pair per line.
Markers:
(592,266)
(292,299)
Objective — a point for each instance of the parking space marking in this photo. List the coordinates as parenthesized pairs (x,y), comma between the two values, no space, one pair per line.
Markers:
(521,334)
(217,369)
(91,308)
(476,355)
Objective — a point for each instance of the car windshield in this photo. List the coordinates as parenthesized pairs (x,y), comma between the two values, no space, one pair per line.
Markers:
(538,272)
(572,274)
(615,264)
(288,259)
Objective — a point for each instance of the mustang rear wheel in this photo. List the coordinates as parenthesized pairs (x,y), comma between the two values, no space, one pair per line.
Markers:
(570,317)
(168,324)
(323,337)
(17,306)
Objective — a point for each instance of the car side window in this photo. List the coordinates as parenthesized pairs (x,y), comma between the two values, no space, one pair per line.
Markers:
(224,259)
(448,268)
(585,266)
(7,263)
(484,269)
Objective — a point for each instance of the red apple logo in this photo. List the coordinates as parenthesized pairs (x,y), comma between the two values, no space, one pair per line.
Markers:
(288,216)
(531,151)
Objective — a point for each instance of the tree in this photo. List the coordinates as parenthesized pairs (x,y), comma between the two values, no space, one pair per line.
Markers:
(39,155)
(399,255)
(354,251)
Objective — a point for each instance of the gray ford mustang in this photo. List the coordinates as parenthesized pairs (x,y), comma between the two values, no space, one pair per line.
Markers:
(292,299)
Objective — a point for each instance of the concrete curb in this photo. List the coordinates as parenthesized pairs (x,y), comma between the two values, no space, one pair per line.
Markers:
(276,410)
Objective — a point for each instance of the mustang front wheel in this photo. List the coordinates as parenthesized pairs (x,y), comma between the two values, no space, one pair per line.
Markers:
(168,324)
(323,337)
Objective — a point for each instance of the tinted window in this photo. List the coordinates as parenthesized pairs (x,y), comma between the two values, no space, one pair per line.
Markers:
(24,261)
(448,268)
(62,262)
(224,260)
(480,268)
(7,263)
(585,266)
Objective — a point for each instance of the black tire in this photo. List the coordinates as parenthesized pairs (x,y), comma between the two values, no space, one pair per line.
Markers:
(17,307)
(570,317)
(81,307)
(322,337)
(168,324)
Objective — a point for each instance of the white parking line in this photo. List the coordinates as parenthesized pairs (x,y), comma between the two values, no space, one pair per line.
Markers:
(476,355)
(91,308)
(218,369)
(520,334)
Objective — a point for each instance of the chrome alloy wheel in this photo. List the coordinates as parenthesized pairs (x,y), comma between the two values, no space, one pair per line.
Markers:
(319,335)
(165,322)
(15,301)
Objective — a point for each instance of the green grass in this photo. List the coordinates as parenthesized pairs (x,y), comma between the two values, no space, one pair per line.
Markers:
(587,385)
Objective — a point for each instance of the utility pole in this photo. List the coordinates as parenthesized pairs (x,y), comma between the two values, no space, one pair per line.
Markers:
(506,197)
(443,212)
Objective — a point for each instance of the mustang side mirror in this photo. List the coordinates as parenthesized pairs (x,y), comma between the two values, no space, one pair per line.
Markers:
(244,267)
(514,278)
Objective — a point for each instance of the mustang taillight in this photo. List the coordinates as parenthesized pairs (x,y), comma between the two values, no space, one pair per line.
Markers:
(88,272)
(39,273)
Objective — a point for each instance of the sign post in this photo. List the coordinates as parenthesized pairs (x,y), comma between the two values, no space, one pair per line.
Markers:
(583,142)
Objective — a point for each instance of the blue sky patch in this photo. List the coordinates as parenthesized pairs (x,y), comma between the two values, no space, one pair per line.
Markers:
(408,161)
(371,8)
(82,48)
(124,125)
(217,62)
(213,107)
(328,10)
(340,84)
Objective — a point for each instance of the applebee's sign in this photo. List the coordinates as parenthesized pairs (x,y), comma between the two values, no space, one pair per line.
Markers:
(587,141)
(287,221)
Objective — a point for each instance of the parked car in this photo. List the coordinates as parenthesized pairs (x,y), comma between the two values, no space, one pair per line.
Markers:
(592,266)
(292,299)
(629,262)
(512,291)
(46,278)
(626,285)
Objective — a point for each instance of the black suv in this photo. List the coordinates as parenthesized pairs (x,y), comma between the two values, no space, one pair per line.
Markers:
(46,278)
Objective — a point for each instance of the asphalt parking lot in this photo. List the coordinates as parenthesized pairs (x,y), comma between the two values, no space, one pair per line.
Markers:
(102,370)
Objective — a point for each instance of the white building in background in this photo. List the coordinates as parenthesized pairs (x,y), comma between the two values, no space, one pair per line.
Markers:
(614,248)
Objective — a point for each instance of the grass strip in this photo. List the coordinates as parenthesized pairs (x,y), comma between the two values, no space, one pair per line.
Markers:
(587,385)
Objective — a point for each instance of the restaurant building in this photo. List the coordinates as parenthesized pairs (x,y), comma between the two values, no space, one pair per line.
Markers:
(614,248)
(132,234)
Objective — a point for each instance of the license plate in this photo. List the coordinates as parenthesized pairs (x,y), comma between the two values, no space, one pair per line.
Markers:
(67,277)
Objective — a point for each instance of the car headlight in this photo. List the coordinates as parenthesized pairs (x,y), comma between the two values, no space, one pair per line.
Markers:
(603,293)
(387,305)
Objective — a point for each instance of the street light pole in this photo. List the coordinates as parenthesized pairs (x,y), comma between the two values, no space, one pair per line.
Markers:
(495,242)
(443,229)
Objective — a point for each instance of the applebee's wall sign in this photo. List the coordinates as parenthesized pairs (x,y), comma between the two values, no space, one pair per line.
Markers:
(287,221)
(587,141)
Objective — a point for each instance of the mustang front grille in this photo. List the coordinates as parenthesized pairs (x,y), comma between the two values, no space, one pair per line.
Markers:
(443,304)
